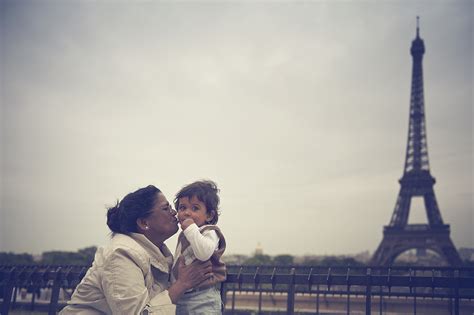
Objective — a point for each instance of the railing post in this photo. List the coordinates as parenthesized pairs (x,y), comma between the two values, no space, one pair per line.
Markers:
(414,290)
(256,279)
(8,290)
(33,296)
(290,308)
(380,300)
(368,292)
(456,292)
(33,285)
(57,278)
(233,299)
(239,280)
(15,293)
(317,299)
(348,301)
(223,296)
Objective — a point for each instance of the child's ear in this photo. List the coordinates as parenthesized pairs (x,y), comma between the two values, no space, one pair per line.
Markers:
(210,216)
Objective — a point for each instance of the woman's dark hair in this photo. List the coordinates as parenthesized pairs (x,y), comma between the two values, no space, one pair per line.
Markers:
(206,191)
(122,218)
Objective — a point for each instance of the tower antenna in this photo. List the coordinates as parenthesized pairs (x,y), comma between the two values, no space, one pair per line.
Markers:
(417,26)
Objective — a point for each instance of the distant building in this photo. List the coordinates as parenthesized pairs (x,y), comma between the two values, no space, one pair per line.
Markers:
(466,253)
(38,258)
(259,249)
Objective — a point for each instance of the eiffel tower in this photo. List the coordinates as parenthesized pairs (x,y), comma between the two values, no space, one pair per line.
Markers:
(399,236)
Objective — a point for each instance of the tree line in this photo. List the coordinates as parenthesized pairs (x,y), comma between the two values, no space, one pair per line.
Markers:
(85,256)
(289,260)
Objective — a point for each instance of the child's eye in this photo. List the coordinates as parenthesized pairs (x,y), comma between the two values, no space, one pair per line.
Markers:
(181,208)
(195,208)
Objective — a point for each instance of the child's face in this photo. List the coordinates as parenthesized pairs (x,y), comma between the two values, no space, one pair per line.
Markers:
(192,209)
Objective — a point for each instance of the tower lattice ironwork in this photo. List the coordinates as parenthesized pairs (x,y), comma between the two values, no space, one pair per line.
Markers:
(399,236)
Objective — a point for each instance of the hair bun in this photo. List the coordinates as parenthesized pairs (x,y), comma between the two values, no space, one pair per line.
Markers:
(114,219)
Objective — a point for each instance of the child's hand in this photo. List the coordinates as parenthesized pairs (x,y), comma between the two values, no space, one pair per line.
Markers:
(187,222)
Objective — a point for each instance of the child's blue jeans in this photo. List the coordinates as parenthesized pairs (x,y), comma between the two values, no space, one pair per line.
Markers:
(202,302)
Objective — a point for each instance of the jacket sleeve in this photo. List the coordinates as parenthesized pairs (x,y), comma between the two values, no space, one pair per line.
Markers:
(124,287)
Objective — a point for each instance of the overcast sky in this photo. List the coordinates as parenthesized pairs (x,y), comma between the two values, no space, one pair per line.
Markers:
(298,110)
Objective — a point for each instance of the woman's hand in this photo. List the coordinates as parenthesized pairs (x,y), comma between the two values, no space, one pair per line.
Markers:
(195,273)
(189,277)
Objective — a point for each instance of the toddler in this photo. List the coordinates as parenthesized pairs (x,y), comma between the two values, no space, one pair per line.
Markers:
(197,207)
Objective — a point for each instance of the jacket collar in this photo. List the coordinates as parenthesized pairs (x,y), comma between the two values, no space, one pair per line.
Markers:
(161,259)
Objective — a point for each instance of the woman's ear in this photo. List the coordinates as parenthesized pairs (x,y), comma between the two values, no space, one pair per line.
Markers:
(142,224)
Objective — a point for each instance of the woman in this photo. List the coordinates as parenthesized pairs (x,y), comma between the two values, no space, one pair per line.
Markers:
(131,274)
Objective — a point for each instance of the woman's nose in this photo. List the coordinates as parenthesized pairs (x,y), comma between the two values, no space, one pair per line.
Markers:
(173,212)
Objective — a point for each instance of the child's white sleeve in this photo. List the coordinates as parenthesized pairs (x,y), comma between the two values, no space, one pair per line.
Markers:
(203,245)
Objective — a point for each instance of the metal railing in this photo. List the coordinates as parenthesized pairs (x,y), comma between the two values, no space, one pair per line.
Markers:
(291,284)
(347,283)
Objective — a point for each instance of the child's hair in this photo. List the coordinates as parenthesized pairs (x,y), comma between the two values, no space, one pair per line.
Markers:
(206,191)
